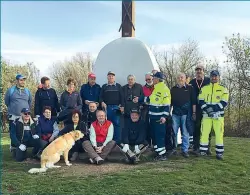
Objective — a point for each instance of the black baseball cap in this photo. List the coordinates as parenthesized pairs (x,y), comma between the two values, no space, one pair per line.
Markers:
(214,73)
(134,110)
(25,110)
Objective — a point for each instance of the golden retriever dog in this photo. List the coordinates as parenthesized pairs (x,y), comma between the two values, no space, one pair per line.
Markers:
(60,146)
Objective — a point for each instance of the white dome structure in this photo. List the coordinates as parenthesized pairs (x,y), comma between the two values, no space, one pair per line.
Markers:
(124,56)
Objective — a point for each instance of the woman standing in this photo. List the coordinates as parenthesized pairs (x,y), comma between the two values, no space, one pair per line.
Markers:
(70,100)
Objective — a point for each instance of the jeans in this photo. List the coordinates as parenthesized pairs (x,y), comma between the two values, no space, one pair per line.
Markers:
(180,122)
(114,117)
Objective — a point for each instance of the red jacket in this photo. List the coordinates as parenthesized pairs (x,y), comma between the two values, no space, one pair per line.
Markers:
(101,131)
(147,90)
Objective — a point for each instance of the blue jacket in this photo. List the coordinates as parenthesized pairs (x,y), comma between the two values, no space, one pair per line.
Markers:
(46,126)
(90,93)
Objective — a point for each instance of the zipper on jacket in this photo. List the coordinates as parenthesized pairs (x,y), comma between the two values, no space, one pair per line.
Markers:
(48,95)
(212,93)
(23,135)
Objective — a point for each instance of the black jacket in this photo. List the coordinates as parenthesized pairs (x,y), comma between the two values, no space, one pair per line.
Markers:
(182,99)
(197,88)
(134,133)
(71,101)
(70,127)
(129,94)
(17,133)
(89,117)
(112,94)
(46,98)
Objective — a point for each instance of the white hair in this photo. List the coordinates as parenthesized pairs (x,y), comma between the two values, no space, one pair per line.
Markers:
(129,76)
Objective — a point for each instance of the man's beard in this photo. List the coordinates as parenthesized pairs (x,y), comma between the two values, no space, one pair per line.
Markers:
(150,84)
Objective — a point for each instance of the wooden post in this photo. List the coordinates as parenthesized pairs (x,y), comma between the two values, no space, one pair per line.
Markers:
(128,19)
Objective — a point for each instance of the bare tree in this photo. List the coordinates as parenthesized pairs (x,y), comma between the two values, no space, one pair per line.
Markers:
(77,67)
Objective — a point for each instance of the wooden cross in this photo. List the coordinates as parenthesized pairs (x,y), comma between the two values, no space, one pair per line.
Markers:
(128,18)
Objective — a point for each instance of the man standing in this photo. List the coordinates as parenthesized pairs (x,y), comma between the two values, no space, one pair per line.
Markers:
(134,137)
(101,143)
(112,101)
(198,82)
(46,96)
(159,111)
(147,91)
(17,97)
(131,90)
(90,92)
(23,135)
(182,97)
(213,99)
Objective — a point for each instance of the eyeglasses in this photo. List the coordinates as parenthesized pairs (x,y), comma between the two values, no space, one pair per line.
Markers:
(148,79)
(26,114)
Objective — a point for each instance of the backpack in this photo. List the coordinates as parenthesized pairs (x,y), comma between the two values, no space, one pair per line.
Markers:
(12,89)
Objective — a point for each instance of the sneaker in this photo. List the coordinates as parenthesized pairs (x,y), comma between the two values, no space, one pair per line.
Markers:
(203,153)
(185,154)
(161,158)
(219,157)
(99,160)
(74,156)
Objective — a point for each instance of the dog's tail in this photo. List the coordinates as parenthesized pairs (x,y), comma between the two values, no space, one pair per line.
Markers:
(39,170)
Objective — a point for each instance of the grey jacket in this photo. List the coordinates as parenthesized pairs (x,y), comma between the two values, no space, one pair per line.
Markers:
(17,101)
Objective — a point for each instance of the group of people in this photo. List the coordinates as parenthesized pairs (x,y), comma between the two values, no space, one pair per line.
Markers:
(132,117)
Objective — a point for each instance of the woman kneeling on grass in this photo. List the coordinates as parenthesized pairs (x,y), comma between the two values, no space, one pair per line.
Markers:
(76,125)
(47,127)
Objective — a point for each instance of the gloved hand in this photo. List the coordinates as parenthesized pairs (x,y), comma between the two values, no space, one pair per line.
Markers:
(216,115)
(137,150)
(37,116)
(35,136)
(209,110)
(125,148)
(22,147)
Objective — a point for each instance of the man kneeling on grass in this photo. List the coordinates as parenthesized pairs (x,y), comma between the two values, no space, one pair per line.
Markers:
(101,135)
(23,135)
(134,137)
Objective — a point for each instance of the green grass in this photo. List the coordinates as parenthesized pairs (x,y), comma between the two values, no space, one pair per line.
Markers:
(175,176)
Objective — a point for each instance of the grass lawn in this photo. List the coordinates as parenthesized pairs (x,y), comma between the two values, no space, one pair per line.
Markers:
(175,176)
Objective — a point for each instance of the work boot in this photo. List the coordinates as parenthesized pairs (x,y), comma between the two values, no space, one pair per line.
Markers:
(196,152)
(171,153)
(99,160)
(161,157)
(74,156)
(185,154)
(219,157)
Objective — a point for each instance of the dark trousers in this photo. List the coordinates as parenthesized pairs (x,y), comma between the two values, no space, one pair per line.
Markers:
(78,146)
(197,131)
(145,118)
(22,155)
(170,137)
(158,132)
(114,117)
